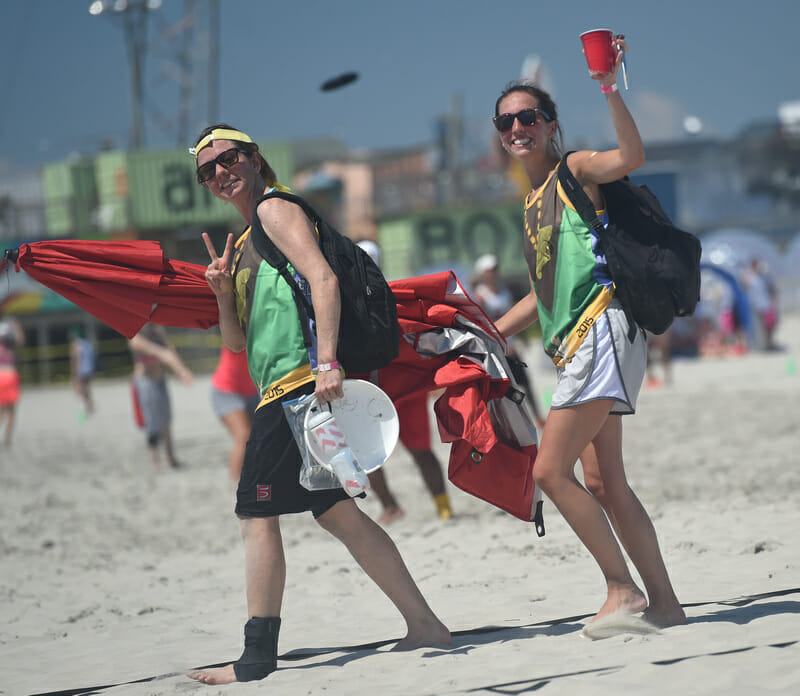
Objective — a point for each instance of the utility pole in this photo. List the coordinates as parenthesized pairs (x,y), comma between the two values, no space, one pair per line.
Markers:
(134,23)
(186,53)
(213,61)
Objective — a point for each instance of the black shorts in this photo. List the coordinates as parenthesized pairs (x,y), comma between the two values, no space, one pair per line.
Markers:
(270,480)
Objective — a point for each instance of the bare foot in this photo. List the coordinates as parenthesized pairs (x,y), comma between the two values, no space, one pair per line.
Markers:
(218,675)
(665,617)
(627,599)
(435,634)
(390,515)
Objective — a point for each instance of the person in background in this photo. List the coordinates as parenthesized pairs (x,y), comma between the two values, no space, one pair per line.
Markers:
(764,299)
(12,339)
(495,298)
(257,313)
(82,364)
(415,434)
(730,320)
(234,398)
(600,368)
(153,353)
(659,350)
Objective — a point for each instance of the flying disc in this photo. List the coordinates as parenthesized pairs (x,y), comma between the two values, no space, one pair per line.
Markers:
(365,420)
(339,81)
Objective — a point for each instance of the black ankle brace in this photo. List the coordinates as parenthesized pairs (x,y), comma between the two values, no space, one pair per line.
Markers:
(260,656)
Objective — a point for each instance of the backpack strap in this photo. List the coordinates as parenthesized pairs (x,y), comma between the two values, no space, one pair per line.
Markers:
(577,196)
(277,259)
(585,208)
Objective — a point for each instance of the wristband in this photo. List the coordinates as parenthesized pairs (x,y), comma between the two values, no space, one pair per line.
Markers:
(327,367)
(609,89)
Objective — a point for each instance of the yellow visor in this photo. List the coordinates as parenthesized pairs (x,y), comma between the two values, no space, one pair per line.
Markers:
(219,134)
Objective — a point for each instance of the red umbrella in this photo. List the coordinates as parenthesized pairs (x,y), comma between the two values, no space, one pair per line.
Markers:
(447,341)
(124,284)
(184,298)
(427,305)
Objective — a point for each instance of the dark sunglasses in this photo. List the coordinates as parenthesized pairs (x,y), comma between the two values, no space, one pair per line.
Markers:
(227,159)
(527,117)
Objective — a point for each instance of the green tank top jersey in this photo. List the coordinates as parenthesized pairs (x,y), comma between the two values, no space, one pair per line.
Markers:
(569,273)
(276,353)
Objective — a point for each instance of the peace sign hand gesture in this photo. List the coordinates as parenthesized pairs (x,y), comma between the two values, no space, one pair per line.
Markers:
(218,273)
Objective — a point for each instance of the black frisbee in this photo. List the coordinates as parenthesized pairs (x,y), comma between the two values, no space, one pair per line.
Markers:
(338,81)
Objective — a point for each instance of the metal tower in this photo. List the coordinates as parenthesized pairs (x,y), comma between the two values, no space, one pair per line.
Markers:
(173,62)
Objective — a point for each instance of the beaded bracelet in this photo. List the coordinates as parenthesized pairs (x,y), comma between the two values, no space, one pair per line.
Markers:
(608,89)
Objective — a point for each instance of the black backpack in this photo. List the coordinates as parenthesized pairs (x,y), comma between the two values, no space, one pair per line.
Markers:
(369,334)
(654,265)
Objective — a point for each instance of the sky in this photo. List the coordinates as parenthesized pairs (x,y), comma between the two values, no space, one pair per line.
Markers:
(65,75)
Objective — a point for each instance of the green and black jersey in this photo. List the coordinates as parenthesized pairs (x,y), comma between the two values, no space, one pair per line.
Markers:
(569,272)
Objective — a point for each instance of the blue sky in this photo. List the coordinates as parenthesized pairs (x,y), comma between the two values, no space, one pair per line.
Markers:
(66,89)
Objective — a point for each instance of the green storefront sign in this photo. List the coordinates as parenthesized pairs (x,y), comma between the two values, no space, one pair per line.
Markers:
(453,238)
(70,196)
(141,190)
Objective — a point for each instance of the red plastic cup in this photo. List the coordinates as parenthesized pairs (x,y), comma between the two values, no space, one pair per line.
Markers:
(599,51)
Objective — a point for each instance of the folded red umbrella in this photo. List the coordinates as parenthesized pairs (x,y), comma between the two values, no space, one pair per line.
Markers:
(427,307)
(447,341)
(124,284)
(184,298)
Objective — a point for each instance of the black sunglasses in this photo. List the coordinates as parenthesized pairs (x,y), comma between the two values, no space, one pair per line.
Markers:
(527,117)
(227,159)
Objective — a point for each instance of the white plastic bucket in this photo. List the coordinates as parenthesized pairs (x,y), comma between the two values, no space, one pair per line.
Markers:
(366,418)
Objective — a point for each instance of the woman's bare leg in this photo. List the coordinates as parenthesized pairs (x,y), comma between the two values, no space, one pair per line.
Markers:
(8,411)
(265,573)
(238,424)
(380,486)
(376,553)
(604,475)
(566,434)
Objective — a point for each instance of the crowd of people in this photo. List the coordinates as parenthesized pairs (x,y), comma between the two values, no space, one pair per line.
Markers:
(738,313)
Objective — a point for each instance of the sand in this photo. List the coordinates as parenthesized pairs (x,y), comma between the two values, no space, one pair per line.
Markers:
(115,575)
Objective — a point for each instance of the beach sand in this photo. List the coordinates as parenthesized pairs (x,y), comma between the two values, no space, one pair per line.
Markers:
(117,577)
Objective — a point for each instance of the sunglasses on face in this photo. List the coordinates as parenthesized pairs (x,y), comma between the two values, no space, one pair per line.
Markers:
(527,117)
(227,159)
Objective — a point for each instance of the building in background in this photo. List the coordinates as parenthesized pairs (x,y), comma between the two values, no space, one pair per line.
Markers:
(428,211)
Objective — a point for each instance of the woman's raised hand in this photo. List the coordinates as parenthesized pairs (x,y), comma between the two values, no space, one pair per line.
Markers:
(620,47)
(218,273)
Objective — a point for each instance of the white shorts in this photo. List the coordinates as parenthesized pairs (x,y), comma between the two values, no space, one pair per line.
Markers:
(606,366)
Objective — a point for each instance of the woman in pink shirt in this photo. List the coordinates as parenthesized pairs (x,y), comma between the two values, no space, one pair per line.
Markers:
(234,397)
